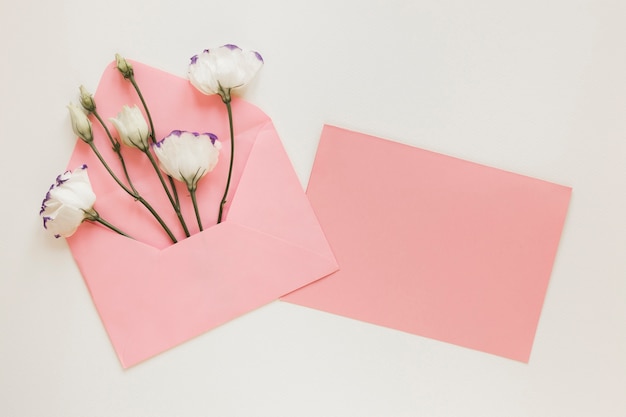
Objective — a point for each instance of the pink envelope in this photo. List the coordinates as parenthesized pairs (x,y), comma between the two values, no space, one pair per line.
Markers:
(152,295)
(433,245)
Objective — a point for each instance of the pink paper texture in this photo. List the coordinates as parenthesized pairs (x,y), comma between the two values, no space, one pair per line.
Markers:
(152,295)
(433,245)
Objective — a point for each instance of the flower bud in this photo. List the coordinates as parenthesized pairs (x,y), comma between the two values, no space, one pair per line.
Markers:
(123,66)
(86,100)
(132,127)
(81,125)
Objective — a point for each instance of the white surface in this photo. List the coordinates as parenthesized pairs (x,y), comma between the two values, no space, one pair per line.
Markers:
(536,87)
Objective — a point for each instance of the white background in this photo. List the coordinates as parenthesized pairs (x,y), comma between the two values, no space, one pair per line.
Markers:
(536,87)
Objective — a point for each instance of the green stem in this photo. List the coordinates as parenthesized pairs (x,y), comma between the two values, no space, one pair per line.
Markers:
(232,154)
(174,192)
(117,149)
(169,195)
(132,193)
(192,191)
(96,218)
(153,137)
(145,106)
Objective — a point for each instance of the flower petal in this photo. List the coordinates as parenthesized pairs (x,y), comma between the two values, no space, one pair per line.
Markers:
(64,222)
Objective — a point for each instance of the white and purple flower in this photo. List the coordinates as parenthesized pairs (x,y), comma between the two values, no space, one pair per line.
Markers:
(132,127)
(188,156)
(68,203)
(218,70)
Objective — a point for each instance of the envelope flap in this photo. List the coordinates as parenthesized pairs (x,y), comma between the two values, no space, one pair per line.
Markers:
(270,199)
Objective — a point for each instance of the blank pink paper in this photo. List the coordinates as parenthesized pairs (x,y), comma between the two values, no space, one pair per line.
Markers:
(433,245)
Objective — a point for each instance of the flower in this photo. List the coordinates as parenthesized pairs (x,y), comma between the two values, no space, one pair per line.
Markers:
(132,127)
(81,125)
(68,203)
(123,66)
(217,71)
(188,156)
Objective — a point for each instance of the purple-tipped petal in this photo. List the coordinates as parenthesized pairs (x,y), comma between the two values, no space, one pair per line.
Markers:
(212,137)
(194,59)
(60,178)
(231,46)
(172,133)
(43,203)
(258,56)
(206,51)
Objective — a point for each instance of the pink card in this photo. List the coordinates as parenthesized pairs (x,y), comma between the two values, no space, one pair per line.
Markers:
(152,295)
(433,245)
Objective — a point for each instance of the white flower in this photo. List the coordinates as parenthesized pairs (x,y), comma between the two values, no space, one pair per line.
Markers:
(81,125)
(217,71)
(68,203)
(188,156)
(132,127)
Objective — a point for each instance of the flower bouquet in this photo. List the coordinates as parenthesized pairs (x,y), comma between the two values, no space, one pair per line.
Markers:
(177,231)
